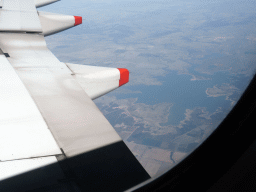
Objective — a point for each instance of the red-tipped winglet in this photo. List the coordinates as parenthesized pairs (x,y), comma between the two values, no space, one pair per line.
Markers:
(78,20)
(124,76)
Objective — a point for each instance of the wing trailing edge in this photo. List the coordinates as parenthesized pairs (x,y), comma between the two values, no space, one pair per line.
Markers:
(97,81)
(19,16)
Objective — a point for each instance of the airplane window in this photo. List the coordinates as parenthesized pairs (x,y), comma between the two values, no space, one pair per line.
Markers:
(189,62)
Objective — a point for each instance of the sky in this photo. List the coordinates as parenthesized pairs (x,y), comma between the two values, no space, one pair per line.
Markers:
(189,63)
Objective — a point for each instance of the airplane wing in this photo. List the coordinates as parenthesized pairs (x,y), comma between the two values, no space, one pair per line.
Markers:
(52,135)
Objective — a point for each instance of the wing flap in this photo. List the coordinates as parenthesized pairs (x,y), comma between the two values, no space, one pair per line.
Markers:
(23,132)
(75,121)
(19,16)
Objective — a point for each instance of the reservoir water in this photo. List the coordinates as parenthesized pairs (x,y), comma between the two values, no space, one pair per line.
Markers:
(184,93)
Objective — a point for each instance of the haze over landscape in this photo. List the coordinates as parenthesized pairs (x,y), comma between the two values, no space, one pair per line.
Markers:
(189,63)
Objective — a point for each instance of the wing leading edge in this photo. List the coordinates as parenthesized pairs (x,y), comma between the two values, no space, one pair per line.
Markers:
(87,144)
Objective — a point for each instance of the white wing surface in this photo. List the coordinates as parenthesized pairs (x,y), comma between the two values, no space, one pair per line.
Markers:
(15,14)
(19,116)
(38,3)
(75,121)
(47,116)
